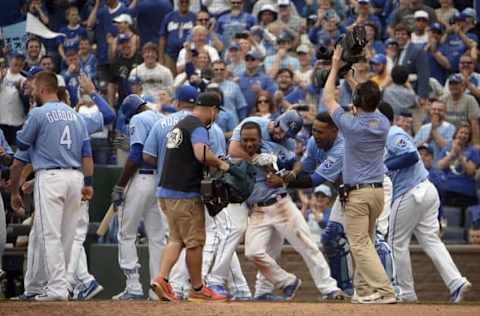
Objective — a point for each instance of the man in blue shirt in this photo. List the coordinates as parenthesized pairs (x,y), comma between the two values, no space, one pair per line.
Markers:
(150,15)
(59,146)
(415,211)
(254,79)
(236,21)
(365,132)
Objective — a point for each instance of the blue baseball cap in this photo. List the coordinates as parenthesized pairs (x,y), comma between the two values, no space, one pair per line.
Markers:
(234,46)
(437,27)
(134,80)
(32,71)
(123,38)
(253,54)
(379,59)
(186,93)
(455,78)
(18,54)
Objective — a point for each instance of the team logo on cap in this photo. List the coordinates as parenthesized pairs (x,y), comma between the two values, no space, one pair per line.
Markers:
(174,138)
(402,143)
(292,125)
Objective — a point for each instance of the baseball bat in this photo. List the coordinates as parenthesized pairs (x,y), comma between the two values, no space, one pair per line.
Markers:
(103,227)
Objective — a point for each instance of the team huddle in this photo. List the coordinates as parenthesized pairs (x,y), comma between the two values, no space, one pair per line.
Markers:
(383,200)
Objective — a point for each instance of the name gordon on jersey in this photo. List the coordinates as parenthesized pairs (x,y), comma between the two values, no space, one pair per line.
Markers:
(58,115)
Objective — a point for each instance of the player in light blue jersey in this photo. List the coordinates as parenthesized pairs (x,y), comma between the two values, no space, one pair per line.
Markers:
(415,211)
(59,146)
(134,198)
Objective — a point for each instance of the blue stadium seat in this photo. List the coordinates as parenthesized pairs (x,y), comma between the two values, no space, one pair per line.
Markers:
(454,235)
(453,215)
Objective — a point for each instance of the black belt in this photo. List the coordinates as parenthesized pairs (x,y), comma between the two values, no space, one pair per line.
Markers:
(146,171)
(61,168)
(272,200)
(363,186)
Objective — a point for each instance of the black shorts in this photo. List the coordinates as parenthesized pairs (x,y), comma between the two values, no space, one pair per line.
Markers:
(104,74)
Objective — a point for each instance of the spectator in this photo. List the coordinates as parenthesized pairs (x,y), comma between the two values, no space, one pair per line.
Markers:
(198,42)
(101,20)
(38,9)
(438,133)
(281,59)
(470,77)
(73,31)
(71,76)
(236,21)
(380,75)
(150,15)
(461,106)
(361,15)
(12,113)
(374,45)
(213,39)
(415,59)
(257,7)
(318,214)
(88,61)
(154,76)
(34,52)
(217,8)
(287,20)
(47,63)
(193,71)
(303,76)
(437,53)
(235,61)
(123,23)
(404,120)
(266,15)
(264,105)
(287,93)
(233,99)
(420,36)
(165,102)
(391,51)
(326,28)
(434,175)
(459,161)
(404,14)
(400,94)
(446,12)
(253,80)
(126,59)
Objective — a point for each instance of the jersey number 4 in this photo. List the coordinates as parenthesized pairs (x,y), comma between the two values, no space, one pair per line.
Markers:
(65,139)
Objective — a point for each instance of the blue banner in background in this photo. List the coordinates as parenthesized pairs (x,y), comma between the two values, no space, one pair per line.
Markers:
(15,36)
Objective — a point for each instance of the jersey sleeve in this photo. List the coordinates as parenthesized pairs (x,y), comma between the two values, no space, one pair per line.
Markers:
(138,131)
(308,158)
(93,122)
(22,155)
(400,144)
(331,167)
(199,136)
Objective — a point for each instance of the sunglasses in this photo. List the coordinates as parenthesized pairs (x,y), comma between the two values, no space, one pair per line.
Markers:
(202,20)
(466,63)
(236,3)
(249,59)
(263,101)
(219,69)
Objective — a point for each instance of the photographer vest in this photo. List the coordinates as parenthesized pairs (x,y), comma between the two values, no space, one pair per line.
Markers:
(181,170)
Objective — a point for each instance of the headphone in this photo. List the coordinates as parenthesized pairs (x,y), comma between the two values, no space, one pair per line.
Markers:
(357,100)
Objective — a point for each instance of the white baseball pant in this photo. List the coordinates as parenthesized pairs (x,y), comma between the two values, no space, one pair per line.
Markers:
(57,197)
(416,212)
(140,203)
(286,218)
(3,230)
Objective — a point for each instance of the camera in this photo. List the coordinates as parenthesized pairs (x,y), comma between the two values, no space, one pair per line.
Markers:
(353,44)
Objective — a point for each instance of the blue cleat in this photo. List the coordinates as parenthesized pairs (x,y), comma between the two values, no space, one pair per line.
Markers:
(25,297)
(88,292)
(269,297)
(290,290)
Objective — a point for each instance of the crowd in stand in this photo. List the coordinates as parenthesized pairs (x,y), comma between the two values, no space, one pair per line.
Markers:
(266,57)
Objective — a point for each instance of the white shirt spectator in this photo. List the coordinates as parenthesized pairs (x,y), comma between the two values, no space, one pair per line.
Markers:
(153,79)
(11,108)
(212,54)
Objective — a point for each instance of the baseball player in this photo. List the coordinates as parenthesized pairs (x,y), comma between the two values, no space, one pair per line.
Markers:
(60,146)
(415,211)
(135,192)
(273,210)
(6,154)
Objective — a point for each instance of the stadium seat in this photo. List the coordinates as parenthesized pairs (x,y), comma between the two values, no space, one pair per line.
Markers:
(453,215)
(454,235)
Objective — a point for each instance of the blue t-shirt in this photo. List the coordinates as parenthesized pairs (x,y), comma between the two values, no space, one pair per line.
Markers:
(72,37)
(233,99)
(446,130)
(400,143)
(455,48)
(365,136)
(455,178)
(228,25)
(140,126)
(437,71)
(175,28)
(89,66)
(56,135)
(327,164)
(246,81)
(150,14)
(72,84)
(226,121)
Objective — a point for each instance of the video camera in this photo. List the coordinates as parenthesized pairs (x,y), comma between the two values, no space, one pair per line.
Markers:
(353,44)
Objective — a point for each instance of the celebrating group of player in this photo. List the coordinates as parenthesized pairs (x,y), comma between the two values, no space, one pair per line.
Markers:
(55,141)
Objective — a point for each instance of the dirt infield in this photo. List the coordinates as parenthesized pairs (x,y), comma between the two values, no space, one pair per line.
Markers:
(148,308)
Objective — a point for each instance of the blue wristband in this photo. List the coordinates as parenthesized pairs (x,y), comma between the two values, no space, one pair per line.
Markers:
(88,181)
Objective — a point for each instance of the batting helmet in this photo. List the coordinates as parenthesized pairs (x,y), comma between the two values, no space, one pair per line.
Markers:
(291,122)
(130,106)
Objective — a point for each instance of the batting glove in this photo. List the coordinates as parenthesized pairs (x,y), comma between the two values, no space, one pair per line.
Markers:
(117,196)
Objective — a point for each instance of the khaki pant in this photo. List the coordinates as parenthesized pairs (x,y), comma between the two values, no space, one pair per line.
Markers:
(361,212)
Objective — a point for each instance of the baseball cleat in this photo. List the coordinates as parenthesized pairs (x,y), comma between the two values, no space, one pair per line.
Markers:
(375,298)
(457,295)
(163,289)
(49,298)
(127,296)
(89,291)
(269,297)
(219,289)
(241,296)
(336,295)
(290,290)
(205,294)
(25,297)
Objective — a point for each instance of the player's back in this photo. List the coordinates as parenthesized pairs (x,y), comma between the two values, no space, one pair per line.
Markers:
(56,136)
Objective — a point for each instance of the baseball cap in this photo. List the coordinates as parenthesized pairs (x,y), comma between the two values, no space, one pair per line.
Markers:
(455,78)
(253,54)
(363,1)
(331,15)
(323,189)
(31,72)
(421,14)
(18,54)
(124,17)
(427,147)
(379,59)
(437,27)
(470,13)
(269,8)
(134,80)
(283,3)
(391,41)
(209,99)
(186,93)
(284,37)
(123,38)
(234,46)
(303,48)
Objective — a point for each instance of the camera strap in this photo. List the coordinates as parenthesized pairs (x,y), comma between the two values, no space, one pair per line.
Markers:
(205,167)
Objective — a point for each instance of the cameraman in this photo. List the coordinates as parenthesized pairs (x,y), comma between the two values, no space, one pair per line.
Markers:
(5,160)
(362,198)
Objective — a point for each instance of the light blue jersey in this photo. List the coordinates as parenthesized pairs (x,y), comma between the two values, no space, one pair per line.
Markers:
(56,135)
(93,121)
(399,143)
(139,128)
(327,164)
(263,123)
(216,140)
